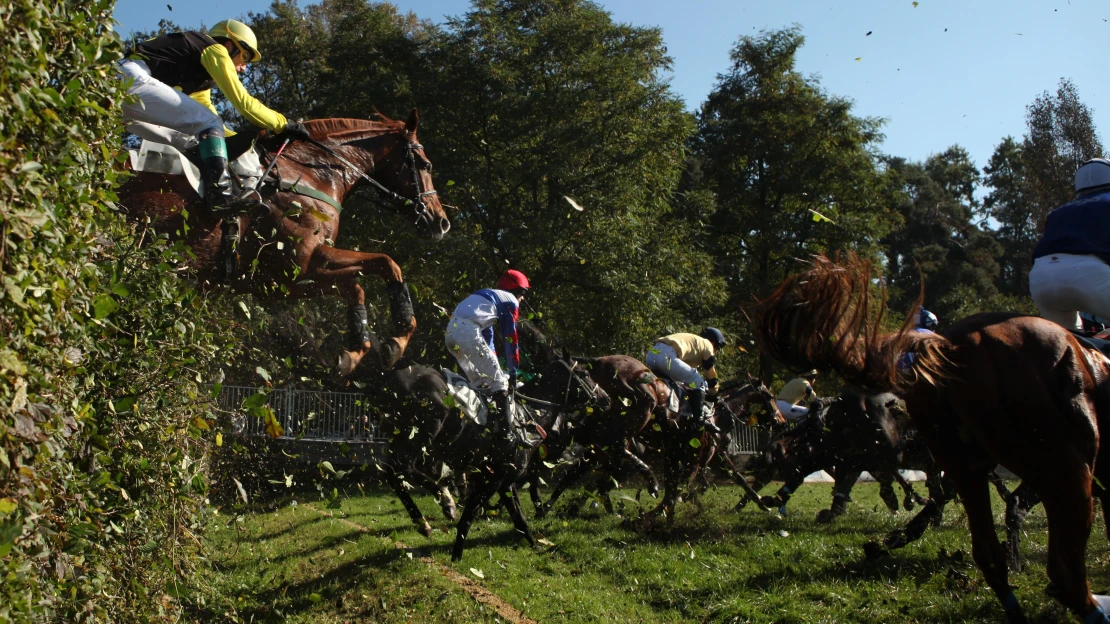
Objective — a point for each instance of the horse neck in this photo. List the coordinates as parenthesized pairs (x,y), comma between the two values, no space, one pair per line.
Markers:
(744,396)
(368,151)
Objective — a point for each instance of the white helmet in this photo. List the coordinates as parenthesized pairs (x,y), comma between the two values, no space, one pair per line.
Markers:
(1092,174)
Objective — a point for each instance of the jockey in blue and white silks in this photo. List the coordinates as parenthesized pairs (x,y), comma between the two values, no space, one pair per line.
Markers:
(470,334)
(1070,272)
(926,323)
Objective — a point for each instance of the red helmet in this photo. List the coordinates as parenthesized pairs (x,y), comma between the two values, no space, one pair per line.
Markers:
(513,279)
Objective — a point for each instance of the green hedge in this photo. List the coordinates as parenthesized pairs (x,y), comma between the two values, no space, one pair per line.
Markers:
(103,432)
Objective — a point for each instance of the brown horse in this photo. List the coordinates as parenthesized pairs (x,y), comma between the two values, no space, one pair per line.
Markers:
(639,407)
(288,249)
(994,388)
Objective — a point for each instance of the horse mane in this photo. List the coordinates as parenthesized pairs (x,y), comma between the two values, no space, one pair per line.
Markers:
(827,317)
(335,128)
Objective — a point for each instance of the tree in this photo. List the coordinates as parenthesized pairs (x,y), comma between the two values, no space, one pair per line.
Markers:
(1008,203)
(1061,136)
(790,166)
(938,242)
(563,149)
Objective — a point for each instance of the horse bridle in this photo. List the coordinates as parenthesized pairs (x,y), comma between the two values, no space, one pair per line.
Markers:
(410,156)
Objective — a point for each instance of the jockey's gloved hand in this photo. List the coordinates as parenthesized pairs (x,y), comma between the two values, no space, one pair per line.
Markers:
(295,130)
(512,381)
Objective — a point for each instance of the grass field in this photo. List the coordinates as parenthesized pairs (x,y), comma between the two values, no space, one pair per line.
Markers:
(366,563)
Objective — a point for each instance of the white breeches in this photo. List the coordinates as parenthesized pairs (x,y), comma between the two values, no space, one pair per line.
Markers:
(791,412)
(1063,285)
(663,360)
(161,109)
(476,359)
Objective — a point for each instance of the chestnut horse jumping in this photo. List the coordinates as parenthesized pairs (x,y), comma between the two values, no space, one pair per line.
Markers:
(994,388)
(289,250)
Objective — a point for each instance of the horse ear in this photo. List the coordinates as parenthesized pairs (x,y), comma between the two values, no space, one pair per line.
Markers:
(413,122)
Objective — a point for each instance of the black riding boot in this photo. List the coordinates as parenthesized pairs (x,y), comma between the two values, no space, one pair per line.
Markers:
(697,400)
(217,196)
(504,404)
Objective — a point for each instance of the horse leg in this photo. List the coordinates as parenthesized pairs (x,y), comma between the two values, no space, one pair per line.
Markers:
(343,267)
(974,491)
(911,497)
(932,512)
(886,490)
(843,483)
(447,503)
(999,485)
(511,498)
(569,477)
(397,483)
(644,470)
(1018,504)
(477,495)
(782,497)
(1070,509)
(534,491)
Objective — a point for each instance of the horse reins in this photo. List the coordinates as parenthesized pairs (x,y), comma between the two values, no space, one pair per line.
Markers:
(410,155)
(566,393)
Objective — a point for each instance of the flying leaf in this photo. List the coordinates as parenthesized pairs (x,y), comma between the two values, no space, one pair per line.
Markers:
(694,442)
(273,427)
(262,372)
(242,492)
(243,307)
(325,466)
(477,572)
(573,204)
(818,217)
(859,58)
(219,438)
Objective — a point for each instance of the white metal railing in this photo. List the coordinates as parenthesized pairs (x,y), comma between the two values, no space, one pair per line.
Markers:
(305,414)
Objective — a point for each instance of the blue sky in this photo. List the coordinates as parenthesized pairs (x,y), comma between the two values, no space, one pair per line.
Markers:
(942,72)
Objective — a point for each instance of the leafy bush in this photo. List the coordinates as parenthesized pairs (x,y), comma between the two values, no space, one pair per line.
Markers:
(103,428)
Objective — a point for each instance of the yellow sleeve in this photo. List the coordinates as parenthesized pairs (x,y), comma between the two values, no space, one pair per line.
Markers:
(219,65)
(204,98)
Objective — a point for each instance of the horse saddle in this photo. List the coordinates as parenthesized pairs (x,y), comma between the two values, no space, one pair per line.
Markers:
(475,406)
(1091,342)
(679,402)
(158,158)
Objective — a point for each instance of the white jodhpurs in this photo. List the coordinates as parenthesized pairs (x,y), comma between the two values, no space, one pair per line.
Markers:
(476,359)
(663,360)
(161,107)
(1063,285)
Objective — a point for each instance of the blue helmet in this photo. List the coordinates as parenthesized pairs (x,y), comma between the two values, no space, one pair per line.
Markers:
(714,335)
(926,320)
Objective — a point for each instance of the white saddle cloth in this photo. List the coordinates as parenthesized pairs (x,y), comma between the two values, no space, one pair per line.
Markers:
(466,398)
(158,158)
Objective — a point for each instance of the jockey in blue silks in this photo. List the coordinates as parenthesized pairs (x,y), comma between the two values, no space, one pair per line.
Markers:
(470,338)
(926,323)
(1070,273)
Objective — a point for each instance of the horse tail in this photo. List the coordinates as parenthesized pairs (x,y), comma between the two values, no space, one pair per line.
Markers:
(828,317)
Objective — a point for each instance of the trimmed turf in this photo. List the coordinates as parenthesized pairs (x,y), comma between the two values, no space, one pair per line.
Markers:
(294,565)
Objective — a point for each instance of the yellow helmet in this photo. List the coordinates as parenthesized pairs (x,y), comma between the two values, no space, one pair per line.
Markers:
(241,35)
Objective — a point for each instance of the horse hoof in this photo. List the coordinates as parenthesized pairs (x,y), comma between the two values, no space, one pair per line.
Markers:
(825,516)
(391,353)
(348,362)
(873,551)
(426,530)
